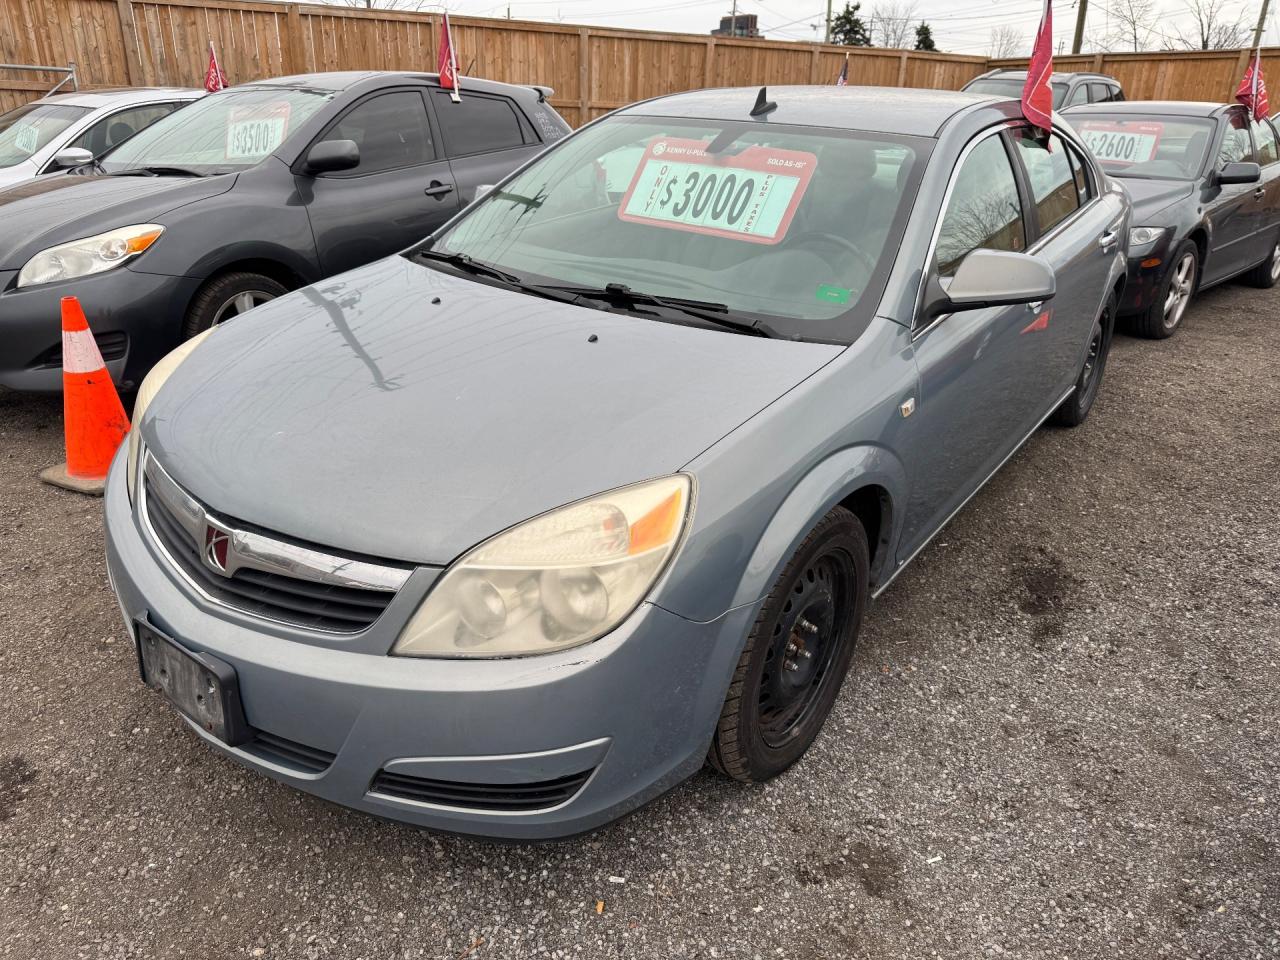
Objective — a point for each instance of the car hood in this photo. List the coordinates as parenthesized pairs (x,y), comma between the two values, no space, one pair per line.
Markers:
(48,210)
(1151,197)
(362,415)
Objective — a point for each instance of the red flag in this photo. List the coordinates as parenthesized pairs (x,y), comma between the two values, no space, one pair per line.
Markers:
(214,78)
(448,60)
(1253,88)
(1037,97)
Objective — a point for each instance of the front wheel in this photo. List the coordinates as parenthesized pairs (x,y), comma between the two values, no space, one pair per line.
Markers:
(228,296)
(1164,316)
(797,654)
(1076,407)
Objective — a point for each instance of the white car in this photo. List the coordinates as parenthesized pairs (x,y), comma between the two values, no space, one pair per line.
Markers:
(34,134)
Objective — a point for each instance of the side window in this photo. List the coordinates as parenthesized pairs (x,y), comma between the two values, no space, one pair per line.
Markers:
(1079,95)
(1053,184)
(119,127)
(390,129)
(1099,92)
(478,124)
(1080,175)
(984,210)
(1235,140)
(1265,138)
(1117,95)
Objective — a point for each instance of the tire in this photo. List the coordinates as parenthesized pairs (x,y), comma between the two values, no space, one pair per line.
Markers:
(1163,317)
(1076,407)
(227,296)
(1265,274)
(771,714)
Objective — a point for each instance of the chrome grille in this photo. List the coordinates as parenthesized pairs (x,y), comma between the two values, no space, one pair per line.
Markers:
(274,579)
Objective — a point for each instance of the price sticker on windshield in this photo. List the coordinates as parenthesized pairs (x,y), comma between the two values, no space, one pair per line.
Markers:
(26,137)
(1122,143)
(253,132)
(750,195)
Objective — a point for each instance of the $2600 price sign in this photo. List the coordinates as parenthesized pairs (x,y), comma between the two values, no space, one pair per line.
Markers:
(1122,142)
(751,195)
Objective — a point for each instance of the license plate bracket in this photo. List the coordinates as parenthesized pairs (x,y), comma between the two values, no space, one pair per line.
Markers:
(201,687)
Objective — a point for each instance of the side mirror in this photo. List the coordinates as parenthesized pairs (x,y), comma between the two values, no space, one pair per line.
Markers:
(1239,173)
(991,278)
(483,190)
(329,156)
(70,157)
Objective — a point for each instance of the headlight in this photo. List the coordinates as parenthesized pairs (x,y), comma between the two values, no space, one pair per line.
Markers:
(1140,236)
(80,258)
(151,385)
(558,580)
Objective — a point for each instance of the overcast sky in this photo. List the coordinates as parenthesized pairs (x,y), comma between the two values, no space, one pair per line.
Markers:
(960,26)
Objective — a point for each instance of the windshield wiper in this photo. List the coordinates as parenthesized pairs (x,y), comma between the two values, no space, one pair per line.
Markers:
(619,294)
(158,171)
(465,263)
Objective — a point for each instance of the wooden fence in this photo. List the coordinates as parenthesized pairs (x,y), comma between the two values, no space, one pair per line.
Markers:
(593,70)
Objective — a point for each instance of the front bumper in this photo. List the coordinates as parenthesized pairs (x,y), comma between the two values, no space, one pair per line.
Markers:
(636,707)
(1145,280)
(136,317)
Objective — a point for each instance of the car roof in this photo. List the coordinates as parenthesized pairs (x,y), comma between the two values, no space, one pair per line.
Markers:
(1011,74)
(1172,108)
(340,80)
(878,109)
(121,96)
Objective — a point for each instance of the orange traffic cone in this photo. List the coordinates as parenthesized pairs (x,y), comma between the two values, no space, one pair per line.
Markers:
(94,419)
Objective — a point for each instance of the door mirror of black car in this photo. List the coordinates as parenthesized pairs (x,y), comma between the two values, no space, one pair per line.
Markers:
(329,156)
(70,157)
(991,278)
(1239,173)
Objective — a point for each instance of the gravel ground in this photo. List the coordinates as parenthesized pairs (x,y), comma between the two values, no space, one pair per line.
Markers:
(1060,740)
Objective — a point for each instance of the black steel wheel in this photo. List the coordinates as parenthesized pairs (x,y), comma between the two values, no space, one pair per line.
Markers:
(1076,407)
(797,654)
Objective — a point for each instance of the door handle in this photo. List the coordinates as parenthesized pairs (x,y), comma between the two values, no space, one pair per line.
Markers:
(1259,193)
(438,189)
(1108,241)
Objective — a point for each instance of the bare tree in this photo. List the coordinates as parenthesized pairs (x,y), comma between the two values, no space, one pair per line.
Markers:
(893,24)
(1006,41)
(410,5)
(1134,24)
(1216,28)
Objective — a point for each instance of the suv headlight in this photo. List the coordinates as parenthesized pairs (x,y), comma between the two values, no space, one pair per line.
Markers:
(151,385)
(556,581)
(1141,236)
(80,258)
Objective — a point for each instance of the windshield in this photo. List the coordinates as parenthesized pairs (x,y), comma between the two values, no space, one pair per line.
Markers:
(1013,88)
(793,226)
(30,127)
(1152,147)
(220,133)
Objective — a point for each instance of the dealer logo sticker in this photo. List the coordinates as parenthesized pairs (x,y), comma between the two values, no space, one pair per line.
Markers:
(217,545)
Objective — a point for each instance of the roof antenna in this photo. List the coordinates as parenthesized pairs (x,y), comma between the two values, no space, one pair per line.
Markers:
(763,105)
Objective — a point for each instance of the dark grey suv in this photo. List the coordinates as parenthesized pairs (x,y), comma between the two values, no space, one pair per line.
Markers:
(246,195)
(1069,89)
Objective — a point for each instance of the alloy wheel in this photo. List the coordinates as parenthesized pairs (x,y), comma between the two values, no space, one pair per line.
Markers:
(1275,263)
(240,303)
(1181,286)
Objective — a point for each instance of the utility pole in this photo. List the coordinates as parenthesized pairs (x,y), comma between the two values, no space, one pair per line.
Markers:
(827,39)
(733,23)
(1078,39)
(1262,22)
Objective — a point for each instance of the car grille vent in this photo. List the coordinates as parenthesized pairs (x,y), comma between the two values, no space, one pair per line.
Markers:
(112,345)
(503,797)
(289,753)
(273,596)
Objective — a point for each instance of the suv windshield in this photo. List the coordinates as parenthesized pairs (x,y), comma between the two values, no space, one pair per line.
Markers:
(793,228)
(1150,147)
(220,133)
(30,127)
(1013,88)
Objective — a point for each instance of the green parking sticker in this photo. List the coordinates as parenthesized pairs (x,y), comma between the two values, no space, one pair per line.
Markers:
(830,293)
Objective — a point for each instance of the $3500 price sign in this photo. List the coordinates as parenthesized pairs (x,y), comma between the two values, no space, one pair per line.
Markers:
(256,131)
(751,195)
(1122,142)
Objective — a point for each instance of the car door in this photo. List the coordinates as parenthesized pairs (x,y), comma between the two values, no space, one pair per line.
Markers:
(1232,206)
(1267,207)
(401,190)
(978,397)
(486,136)
(1079,239)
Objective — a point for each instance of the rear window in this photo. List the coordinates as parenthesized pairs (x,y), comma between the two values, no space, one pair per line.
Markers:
(1008,87)
(1148,146)
(29,128)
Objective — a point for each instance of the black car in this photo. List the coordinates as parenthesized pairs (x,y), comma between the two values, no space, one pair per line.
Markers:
(1205,186)
(242,196)
(1069,89)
